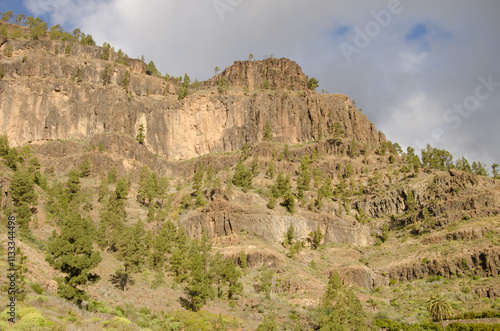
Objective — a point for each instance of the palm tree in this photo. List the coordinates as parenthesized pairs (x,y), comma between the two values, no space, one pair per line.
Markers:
(439,308)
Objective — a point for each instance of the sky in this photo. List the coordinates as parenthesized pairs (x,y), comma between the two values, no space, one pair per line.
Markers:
(424,72)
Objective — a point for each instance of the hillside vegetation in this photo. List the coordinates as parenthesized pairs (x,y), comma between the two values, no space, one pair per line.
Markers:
(247,201)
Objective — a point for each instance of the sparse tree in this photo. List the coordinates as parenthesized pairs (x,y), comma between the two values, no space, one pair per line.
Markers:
(268,131)
(337,131)
(312,84)
(7,16)
(140,134)
(255,165)
(71,252)
(494,168)
(270,169)
(289,202)
(479,168)
(103,189)
(20,19)
(242,177)
(85,167)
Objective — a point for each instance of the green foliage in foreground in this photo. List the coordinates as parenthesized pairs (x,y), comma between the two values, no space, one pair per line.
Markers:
(390,325)
(340,309)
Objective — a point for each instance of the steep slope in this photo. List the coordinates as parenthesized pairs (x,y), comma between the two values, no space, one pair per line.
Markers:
(394,230)
(76,96)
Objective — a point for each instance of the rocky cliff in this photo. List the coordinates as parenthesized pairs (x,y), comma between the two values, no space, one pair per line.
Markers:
(44,96)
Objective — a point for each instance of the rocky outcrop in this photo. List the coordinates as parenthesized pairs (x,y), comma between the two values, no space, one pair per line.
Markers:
(448,196)
(491,292)
(280,74)
(465,235)
(44,96)
(222,218)
(485,262)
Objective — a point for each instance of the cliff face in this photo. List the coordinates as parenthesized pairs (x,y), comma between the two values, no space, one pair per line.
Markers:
(44,96)
(279,73)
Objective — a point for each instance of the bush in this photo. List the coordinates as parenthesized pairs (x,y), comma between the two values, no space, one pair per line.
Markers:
(434,278)
(33,321)
(121,323)
(37,288)
(8,51)
(475,315)
(472,327)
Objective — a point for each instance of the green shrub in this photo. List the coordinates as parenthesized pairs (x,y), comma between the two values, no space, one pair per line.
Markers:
(34,321)
(8,51)
(16,33)
(37,288)
(434,278)
(121,323)
(475,315)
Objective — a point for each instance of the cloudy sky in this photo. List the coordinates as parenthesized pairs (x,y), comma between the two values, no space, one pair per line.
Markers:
(422,71)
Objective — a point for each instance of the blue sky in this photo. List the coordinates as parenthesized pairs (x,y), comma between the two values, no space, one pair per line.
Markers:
(414,67)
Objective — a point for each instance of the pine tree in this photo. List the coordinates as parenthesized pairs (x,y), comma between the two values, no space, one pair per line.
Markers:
(132,248)
(200,199)
(270,169)
(179,259)
(151,69)
(72,185)
(479,168)
(289,202)
(268,135)
(232,274)
(103,189)
(304,178)
(22,192)
(113,217)
(85,167)
(112,175)
(142,192)
(71,253)
(229,186)
(286,153)
(272,202)
(340,309)
(140,134)
(4,146)
(494,168)
(242,259)
(411,204)
(282,185)
(198,178)
(318,177)
(122,188)
(163,243)
(22,187)
(290,235)
(199,287)
(242,177)
(317,238)
(255,165)
(349,170)
(463,165)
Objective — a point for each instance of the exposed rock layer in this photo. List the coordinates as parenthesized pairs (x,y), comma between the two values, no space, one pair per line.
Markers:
(44,96)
